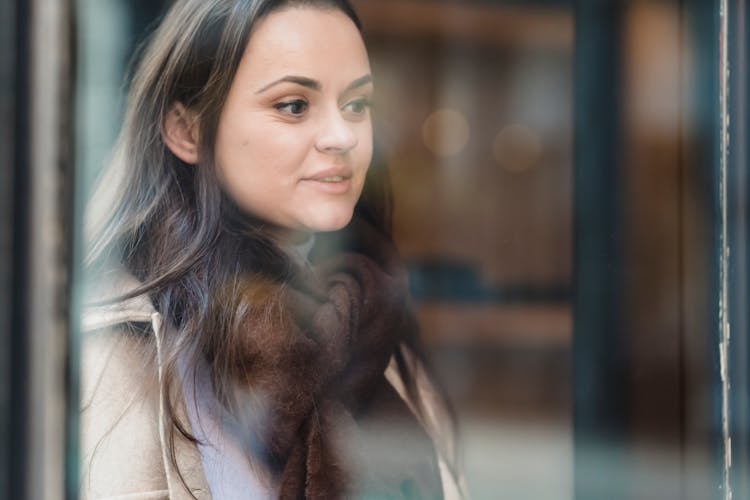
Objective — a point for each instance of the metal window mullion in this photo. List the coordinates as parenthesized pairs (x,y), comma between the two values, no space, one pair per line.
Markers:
(738,228)
(601,358)
(11,89)
(46,294)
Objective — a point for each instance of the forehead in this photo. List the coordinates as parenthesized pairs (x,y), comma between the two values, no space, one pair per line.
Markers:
(307,41)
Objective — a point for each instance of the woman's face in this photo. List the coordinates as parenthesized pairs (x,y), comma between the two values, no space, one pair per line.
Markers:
(294,138)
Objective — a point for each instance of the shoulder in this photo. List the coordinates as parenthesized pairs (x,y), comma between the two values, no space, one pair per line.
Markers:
(115,359)
(117,352)
(120,445)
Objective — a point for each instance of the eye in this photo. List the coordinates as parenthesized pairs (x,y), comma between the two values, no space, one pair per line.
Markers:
(297,107)
(358,107)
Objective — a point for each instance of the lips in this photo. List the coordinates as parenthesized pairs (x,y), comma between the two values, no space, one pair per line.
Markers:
(331,181)
(334,178)
(333,174)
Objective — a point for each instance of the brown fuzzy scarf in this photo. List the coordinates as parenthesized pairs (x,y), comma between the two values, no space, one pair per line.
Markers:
(334,427)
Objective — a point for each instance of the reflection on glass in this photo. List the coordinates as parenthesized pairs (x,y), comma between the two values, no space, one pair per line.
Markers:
(472,117)
(483,217)
(554,291)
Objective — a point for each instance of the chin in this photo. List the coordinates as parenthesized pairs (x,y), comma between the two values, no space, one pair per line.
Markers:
(330,221)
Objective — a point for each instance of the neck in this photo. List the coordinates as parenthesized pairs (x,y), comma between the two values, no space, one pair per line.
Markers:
(288,237)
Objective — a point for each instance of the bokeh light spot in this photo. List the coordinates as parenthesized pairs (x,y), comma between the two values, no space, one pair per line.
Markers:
(445,132)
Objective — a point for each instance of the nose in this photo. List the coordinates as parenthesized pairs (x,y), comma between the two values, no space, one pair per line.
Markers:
(336,135)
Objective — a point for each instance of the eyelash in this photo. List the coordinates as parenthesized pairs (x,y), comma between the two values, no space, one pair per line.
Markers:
(364,102)
(288,107)
(287,104)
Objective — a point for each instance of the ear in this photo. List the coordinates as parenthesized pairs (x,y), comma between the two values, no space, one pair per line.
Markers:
(180,133)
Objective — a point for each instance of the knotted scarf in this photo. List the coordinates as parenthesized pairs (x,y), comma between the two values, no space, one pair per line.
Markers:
(334,427)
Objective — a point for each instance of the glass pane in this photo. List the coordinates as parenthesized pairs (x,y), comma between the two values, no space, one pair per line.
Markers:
(556,201)
(473,118)
(473,115)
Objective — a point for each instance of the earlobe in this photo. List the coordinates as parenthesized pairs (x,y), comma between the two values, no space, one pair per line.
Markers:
(180,133)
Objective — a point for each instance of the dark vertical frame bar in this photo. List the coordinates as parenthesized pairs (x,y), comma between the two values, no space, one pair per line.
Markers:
(600,353)
(738,230)
(8,135)
(74,231)
(14,134)
(7,141)
(702,249)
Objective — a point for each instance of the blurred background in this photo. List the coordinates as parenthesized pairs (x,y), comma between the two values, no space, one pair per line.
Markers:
(474,116)
(570,186)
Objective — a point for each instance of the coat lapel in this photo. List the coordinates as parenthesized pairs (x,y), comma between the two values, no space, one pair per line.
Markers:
(188,477)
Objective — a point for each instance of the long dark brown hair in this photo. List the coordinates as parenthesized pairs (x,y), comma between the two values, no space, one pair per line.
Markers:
(171,226)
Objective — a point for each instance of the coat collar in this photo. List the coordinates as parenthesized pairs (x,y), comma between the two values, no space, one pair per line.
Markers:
(187,455)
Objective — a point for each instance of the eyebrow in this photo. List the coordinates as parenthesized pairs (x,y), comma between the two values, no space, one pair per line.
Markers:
(314,84)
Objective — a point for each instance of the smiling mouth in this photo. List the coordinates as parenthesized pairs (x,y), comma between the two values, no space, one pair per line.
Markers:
(331,184)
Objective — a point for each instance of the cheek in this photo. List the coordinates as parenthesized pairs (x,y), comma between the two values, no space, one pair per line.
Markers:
(258,148)
(365,147)
(271,142)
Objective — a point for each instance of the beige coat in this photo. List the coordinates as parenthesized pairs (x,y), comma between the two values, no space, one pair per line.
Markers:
(123,451)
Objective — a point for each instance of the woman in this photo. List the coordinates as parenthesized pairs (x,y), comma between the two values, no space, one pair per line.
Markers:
(236,354)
